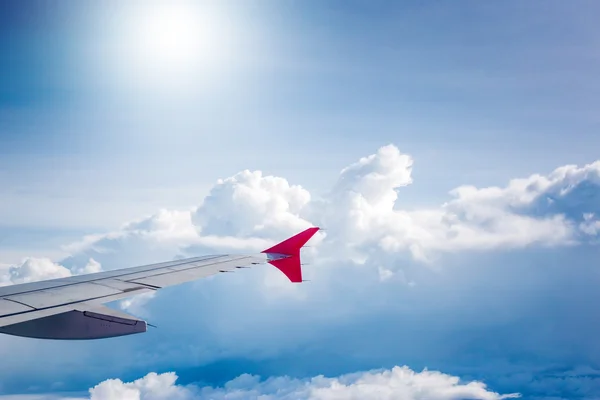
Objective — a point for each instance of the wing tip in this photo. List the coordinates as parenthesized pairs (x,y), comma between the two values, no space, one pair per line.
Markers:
(292,245)
(290,248)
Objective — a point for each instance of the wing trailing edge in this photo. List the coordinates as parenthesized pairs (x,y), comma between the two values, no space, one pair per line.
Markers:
(286,255)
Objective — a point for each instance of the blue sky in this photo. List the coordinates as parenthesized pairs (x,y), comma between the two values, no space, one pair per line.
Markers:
(101,124)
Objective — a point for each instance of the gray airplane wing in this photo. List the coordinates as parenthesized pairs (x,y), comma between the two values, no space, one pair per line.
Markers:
(72,307)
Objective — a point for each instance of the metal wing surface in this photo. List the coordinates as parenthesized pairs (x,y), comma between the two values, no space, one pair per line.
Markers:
(71,308)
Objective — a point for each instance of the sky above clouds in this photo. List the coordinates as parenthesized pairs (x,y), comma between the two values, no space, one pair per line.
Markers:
(448,150)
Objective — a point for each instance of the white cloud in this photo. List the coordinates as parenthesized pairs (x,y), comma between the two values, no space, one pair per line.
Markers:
(363,210)
(590,225)
(136,304)
(151,387)
(385,274)
(397,383)
(556,186)
(91,267)
(374,177)
(250,204)
(164,226)
(167,228)
(37,269)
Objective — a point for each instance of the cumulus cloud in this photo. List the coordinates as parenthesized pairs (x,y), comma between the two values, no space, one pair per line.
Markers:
(397,383)
(36,269)
(364,211)
(250,204)
(91,267)
(152,386)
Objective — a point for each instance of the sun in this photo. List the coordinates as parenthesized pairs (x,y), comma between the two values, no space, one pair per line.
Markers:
(170,35)
(173,40)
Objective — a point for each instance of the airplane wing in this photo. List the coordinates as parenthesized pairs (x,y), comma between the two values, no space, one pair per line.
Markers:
(71,308)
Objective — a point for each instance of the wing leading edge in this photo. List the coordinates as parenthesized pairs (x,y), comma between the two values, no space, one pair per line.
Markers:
(71,308)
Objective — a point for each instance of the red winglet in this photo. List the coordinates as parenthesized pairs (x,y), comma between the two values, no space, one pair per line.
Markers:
(290,265)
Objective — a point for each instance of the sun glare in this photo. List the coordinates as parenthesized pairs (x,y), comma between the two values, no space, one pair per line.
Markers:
(173,41)
(170,36)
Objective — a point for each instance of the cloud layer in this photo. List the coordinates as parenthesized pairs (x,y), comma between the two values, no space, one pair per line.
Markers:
(397,383)
(464,287)
(249,210)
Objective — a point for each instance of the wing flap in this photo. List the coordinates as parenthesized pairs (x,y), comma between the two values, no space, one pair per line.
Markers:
(10,319)
(78,325)
(105,313)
